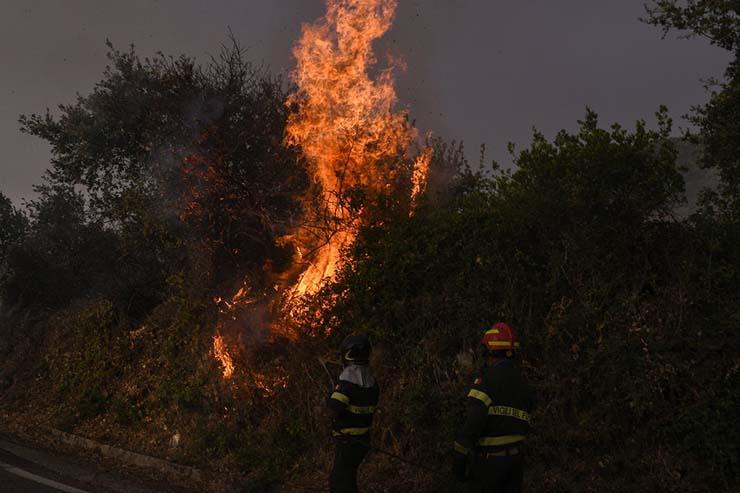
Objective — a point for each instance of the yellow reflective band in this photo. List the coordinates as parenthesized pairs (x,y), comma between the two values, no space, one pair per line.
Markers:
(461,449)
(492,331)
(338,396)
(508,411)
(361,409)
(502,344)
(502,440)
(481,396)
(352,431)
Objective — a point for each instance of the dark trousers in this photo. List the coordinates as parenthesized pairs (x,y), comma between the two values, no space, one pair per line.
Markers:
(497,474)
(347,458)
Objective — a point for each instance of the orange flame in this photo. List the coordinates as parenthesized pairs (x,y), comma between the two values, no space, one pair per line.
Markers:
(222,355)
(421,172)
(345,122)
(347,129)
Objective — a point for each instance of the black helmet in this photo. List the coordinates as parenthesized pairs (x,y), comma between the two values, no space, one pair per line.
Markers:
(355,349)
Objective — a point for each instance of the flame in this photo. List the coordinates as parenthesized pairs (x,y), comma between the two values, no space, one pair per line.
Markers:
(222,355)
(421,172)
(345,123)
(324,266)
(343,120)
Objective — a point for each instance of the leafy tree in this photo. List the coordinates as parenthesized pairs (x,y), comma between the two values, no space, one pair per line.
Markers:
(177,165)
(718,121)
(13,224)
(716,20)
(581,203)
(62,255)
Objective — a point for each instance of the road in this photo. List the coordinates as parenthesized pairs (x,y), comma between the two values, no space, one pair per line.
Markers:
(21,476)
(15,484)
(27,469)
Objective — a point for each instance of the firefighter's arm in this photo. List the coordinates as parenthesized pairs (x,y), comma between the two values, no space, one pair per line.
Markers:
(476,415)
(475,423)
(339,399)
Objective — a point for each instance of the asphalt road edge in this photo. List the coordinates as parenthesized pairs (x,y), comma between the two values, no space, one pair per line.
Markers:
(175,473)
(180,473)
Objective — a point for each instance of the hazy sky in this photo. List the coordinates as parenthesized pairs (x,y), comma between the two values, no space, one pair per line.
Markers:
(485,71)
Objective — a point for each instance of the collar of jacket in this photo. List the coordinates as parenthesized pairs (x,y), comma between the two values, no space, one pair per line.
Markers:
(361,375)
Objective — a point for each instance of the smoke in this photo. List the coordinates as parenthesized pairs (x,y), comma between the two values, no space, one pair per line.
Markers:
(248,325)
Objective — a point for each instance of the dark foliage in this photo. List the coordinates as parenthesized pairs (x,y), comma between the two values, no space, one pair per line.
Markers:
(166,167)
(624,320)
(171,180)
(717,20)
(718,121)
(13,225)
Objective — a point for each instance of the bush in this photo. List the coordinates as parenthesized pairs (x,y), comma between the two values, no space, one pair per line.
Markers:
(578,248)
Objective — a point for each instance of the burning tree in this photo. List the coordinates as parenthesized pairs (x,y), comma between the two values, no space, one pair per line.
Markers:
(184,166)
(346,126)
(357,146)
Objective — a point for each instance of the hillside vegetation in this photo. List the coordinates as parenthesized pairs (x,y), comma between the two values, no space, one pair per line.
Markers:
(170,185)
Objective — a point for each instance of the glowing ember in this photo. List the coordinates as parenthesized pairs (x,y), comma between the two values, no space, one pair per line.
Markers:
(228,307)
(269,384)
(222,355)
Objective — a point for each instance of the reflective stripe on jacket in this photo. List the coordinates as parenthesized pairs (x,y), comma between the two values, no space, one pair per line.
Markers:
(498,410)
(353,402)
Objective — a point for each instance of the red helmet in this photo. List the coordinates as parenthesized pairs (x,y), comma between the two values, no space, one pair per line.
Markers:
(500,337)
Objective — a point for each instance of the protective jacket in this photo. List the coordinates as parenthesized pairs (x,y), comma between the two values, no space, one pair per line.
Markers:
(352,405)
(353,402)
(497,421)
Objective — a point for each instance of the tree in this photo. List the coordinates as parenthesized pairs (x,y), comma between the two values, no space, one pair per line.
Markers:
(717,20)
(13,224)
(718,121)
(577,210)
(168,158)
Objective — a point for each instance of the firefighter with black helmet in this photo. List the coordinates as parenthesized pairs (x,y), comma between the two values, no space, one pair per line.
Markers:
(489,446)
(352,405)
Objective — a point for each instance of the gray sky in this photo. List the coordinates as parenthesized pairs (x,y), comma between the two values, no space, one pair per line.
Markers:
(485,71)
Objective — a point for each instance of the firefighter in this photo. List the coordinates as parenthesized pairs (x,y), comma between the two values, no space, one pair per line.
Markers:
(489,446)
(352,406)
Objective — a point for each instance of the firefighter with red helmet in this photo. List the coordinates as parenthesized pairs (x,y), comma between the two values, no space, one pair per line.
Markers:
(489,446)
(352,405)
